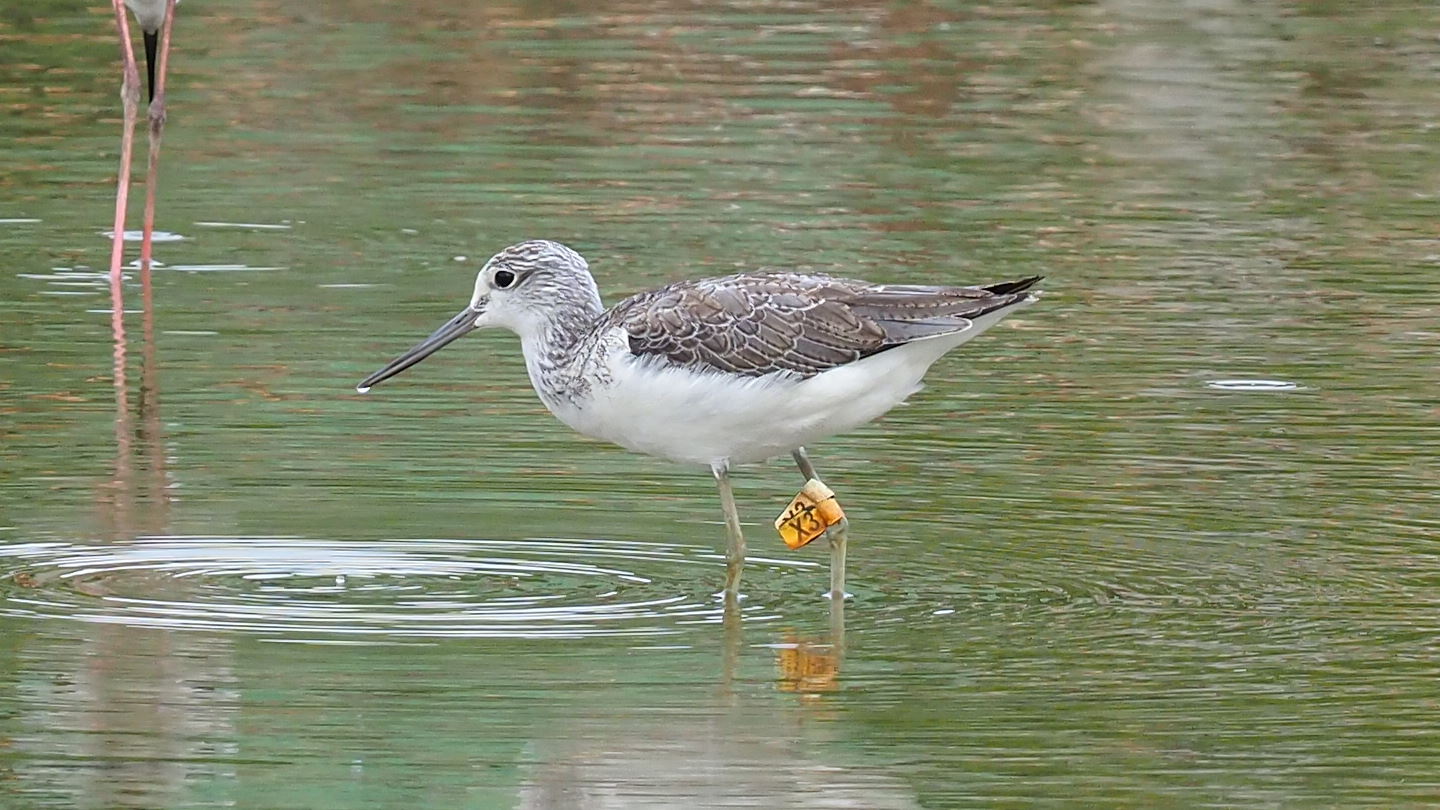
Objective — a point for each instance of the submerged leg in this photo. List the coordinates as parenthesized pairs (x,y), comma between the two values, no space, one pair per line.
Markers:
(836,533)
(735,549)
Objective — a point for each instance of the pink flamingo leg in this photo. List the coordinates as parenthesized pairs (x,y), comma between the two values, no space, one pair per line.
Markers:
(130,99)
(157,128)
(149,382)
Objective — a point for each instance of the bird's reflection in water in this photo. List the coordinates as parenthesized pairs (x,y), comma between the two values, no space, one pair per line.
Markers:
(753,746)
(805,663)
(137,495)
(116,508)
(807,666)
(149,701)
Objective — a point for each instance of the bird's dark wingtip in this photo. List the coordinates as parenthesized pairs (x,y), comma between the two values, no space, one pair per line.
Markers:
(1009,287)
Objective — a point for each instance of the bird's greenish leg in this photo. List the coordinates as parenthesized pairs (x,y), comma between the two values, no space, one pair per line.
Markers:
(735,548)
(836,533)
(802,460)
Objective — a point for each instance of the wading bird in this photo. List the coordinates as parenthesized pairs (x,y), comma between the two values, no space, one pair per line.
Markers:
(719,371)
(156,19)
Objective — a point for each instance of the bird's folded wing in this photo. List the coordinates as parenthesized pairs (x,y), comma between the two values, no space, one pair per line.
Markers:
(756,324)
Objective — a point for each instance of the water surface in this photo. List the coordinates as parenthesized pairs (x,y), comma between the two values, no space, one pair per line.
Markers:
(1164,539)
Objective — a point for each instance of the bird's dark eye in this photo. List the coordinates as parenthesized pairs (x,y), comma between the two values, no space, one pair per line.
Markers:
(504,278)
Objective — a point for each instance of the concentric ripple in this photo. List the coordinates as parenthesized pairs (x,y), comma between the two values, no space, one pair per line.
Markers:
(329,590)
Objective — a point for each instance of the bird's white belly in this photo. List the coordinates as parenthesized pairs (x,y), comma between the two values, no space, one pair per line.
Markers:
(149,13)
(702,418)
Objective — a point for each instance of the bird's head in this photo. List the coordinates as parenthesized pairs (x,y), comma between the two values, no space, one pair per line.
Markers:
(522,288)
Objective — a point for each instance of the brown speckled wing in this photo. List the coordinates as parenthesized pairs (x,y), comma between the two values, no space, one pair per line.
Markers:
(759,323)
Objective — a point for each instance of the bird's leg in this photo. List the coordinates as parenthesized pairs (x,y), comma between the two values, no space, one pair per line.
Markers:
(802,460)
(836,533)
(157,128)
(130,102)
(735,549)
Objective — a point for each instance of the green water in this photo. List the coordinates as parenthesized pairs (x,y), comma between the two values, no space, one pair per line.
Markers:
(1084,574)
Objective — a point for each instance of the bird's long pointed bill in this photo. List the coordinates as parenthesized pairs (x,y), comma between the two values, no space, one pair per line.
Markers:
(439,339)
(152,44)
